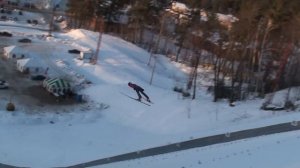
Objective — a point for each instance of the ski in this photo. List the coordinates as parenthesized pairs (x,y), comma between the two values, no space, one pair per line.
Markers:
(135,99)
(140,101)
(148,101)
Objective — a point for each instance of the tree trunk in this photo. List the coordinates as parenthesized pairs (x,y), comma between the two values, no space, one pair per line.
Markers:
(141,36)
(286,53)
(178,51)
(160,33)
(165,45)
(195,75)
(260,53)
(216,79)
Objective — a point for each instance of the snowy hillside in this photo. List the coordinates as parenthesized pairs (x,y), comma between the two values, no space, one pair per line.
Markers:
(110,123)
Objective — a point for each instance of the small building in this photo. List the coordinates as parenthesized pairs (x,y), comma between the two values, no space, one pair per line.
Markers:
(57,86)
(14,52)
(31,66)
(86,55)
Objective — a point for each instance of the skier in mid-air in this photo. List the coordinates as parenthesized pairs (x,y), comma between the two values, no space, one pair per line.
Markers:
(139,90)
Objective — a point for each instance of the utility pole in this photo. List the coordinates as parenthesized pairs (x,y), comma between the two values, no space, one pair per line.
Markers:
(153,70)
(101,29)
(51,21)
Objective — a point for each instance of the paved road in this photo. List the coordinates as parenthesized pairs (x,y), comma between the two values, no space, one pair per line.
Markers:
(200,142)
(7,166)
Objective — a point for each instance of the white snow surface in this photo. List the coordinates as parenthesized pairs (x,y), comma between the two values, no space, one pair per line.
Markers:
(276,151)
(78,135)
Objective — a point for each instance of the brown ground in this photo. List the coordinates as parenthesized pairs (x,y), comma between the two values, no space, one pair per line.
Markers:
(24,91)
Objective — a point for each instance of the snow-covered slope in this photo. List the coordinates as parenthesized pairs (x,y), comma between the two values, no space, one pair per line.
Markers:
(77,135)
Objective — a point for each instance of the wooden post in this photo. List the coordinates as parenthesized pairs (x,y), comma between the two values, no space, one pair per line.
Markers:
(51,22)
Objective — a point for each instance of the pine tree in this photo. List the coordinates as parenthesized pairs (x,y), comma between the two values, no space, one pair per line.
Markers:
(146,13)
(109,10)
(81,11)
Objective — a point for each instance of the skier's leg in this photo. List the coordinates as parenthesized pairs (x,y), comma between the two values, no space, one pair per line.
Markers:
(138,93)
(146,96)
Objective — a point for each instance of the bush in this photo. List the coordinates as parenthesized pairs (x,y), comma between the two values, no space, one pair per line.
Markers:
(10,107)
(3,18)
(186,94)
(289,105)
(181,90)
(176,89)
(6,34)
(9,12)
(35,22)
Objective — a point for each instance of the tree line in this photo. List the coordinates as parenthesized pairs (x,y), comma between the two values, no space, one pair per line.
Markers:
(253,55)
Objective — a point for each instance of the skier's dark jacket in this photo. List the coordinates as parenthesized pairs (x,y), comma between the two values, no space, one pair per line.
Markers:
(135,87)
